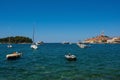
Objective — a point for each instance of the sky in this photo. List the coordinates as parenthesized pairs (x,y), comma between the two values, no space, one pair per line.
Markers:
(59,20)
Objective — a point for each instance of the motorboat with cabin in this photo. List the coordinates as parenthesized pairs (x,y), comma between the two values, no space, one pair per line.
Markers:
(40,42)
(82,45)
(65,42)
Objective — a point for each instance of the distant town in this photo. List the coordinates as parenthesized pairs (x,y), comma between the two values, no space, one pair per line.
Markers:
(103,39)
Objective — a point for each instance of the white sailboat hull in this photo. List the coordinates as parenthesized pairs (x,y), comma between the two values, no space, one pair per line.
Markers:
(9,46)
(33,46)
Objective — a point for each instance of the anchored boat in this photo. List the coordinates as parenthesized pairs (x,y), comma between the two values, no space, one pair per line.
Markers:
(70,57)
(13,56)
(9,45)
(33,45)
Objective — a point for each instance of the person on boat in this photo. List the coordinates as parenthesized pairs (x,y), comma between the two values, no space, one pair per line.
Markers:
(69,54)
(14,52)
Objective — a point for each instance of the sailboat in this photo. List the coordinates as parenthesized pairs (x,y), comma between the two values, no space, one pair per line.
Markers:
(9,45)
(33,45)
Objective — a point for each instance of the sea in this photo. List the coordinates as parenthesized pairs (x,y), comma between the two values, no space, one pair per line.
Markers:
(48,62)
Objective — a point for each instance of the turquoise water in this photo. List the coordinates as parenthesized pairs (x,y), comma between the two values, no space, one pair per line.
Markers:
(99,62)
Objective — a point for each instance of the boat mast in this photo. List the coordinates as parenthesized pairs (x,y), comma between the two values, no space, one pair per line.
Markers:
(9,40)
(33,32)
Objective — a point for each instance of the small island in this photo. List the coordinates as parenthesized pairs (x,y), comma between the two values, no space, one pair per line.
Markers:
(16,40)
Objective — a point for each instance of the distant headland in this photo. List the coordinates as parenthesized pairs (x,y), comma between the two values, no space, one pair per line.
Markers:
(16,40)
(103,39)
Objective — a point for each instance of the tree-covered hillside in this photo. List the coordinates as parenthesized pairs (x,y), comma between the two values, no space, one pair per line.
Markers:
(16,39)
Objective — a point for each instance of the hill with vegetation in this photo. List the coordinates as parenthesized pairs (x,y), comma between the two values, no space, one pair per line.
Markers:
(16,39)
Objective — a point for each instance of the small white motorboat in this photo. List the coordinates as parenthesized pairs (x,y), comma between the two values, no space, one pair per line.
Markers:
(81,45)
(13,56)
(40,42)
(65,42)
(70,57)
